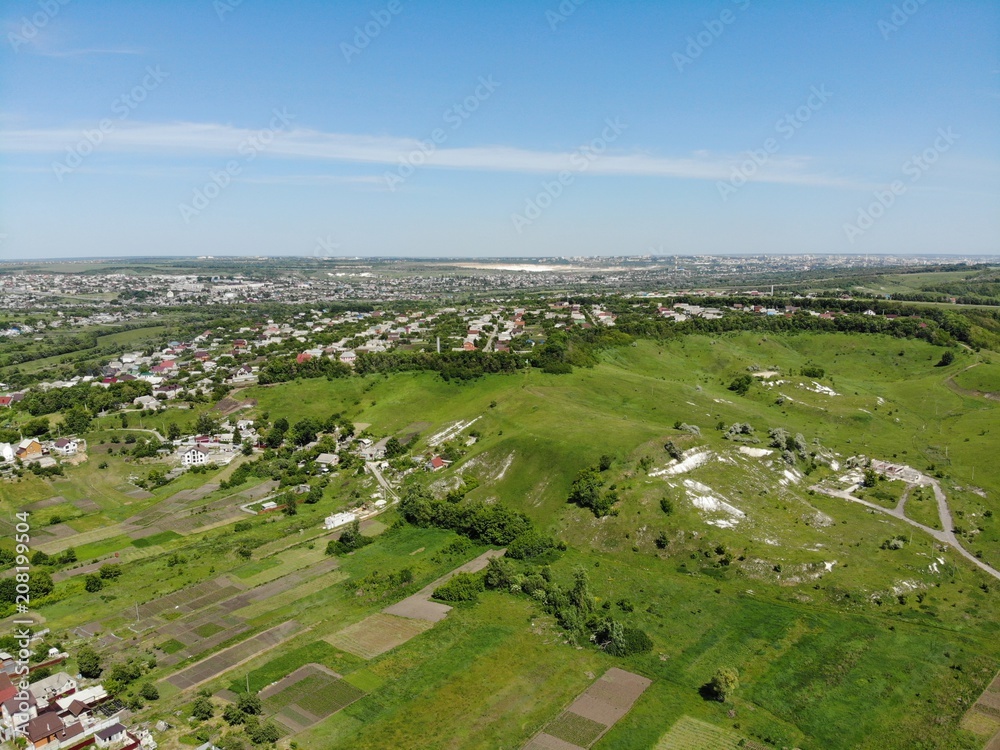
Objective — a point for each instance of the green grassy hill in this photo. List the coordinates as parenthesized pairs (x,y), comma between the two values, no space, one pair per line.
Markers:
(840,641)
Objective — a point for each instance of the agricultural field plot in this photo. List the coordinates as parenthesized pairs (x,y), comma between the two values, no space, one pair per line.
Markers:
(152,536)
(307,696)
(597,709)
(42,504)
(286,593)
(377,634)
(983,719)
(226,659)
(61,541)
(309,561)
(689,733)
(184,599)
(201,632)
(86,505)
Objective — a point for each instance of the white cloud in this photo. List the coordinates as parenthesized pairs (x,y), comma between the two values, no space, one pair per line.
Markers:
(185,139)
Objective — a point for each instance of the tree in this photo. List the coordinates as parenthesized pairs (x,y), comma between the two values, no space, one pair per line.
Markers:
(579,595)
(40,558)
(232,715)
(274,438)
(206,425)
(149,692)
(93,583)
(946,359)
(36,427)
(202,709)
(350,540)
(394,448)
(724,683)
(110,571)
(173,432)
(77,420)
(605,462)
(871,478)
(464,587)
(89,663)
(304,431)
(249,704)
(741,384)
(41,583)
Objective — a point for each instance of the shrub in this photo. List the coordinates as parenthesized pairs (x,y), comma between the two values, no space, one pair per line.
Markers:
(464,587)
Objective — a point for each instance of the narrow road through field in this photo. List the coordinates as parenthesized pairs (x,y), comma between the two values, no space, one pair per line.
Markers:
(944,513)
(373,468)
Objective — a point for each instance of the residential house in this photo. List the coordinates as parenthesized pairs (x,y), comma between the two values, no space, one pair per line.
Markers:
(65,446)
(6,453)
(146,402)
(5,401)
(54,686)
(328,459)
(110,735)
(436,463)
(42,730)
(374,452)
(339,519)
(29,449)
(195,456)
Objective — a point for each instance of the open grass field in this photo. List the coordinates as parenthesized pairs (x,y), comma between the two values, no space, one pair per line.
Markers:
(984,378)
(841,644)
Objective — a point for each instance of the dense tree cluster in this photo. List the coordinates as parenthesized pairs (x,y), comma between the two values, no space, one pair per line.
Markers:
(488,523)
(283,369)
(452,365)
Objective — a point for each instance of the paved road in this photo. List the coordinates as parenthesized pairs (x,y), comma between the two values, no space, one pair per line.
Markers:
(944,513)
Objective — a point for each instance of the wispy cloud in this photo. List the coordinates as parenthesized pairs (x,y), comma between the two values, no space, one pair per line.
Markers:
(184,139)
(88,51)
(24,36)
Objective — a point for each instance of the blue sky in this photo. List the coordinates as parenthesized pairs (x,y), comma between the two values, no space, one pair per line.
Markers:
(516,128)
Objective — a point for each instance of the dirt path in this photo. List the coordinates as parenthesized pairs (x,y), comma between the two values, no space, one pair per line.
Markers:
(901,505)
(383,482)
(947,536)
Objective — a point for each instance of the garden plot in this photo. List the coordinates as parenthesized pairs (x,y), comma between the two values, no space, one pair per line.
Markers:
(377,634)
(692,734)
(228,658)
(86,505)
(42,504)
(58,540)
(597,709)
(181,599)
(307,696)
(983,718)
(201,633)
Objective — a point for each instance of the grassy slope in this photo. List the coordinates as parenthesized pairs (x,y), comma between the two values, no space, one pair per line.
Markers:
(820,669)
